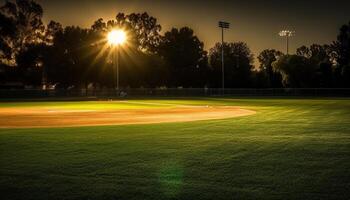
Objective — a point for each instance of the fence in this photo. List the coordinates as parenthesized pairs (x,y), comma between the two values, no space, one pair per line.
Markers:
(201,92)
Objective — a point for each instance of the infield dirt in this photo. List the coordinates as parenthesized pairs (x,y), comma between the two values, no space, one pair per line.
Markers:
(29,117)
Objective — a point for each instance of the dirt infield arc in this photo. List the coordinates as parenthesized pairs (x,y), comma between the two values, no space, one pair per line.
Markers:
(40,117)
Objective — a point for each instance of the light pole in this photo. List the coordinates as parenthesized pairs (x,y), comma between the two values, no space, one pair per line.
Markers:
(116,38)
(287,34)
(223,25)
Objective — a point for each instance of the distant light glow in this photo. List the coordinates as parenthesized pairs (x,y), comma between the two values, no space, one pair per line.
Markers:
(116,37)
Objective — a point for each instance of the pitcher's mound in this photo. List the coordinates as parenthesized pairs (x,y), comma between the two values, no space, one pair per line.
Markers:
(32,118)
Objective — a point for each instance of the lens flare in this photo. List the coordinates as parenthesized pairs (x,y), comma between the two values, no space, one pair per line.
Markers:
(116,37)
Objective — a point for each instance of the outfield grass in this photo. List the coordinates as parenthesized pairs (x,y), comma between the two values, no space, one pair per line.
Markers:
(291,149)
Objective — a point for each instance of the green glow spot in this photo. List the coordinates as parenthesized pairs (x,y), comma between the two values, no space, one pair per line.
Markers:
(171,179)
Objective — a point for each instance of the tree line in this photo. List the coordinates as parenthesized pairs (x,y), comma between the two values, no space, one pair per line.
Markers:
(73,57)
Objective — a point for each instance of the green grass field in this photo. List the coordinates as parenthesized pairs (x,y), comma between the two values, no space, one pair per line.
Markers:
(291,149)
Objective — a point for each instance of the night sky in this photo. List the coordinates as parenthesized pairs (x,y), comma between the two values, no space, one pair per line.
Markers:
(256,22)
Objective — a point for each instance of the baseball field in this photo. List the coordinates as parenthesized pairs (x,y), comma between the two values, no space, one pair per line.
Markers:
(183,148)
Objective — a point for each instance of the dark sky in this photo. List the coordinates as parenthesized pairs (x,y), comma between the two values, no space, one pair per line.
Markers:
(256,22)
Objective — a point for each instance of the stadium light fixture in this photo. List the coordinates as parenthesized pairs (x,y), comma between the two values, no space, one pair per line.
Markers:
(223,25)
(287,34)
(115,39)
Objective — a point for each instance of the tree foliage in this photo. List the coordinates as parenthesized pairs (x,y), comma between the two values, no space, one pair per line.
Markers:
(238,64)
(342,56)
(20,25)
(266,58)
(319,56)
(185,57)
(143,29)
(296,71)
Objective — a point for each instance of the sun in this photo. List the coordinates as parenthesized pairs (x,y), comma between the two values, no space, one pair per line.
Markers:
(116,37)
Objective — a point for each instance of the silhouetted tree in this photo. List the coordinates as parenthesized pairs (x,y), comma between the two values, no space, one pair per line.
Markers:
(320,57)
(297,71)
(51,30)
(147,30)
(138,58)
(30,61)
(143,29)
(33,60)
(266,58)
(303,51)
(185,58)
(238,64)
(68,62)
(342,56)
(20,26)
